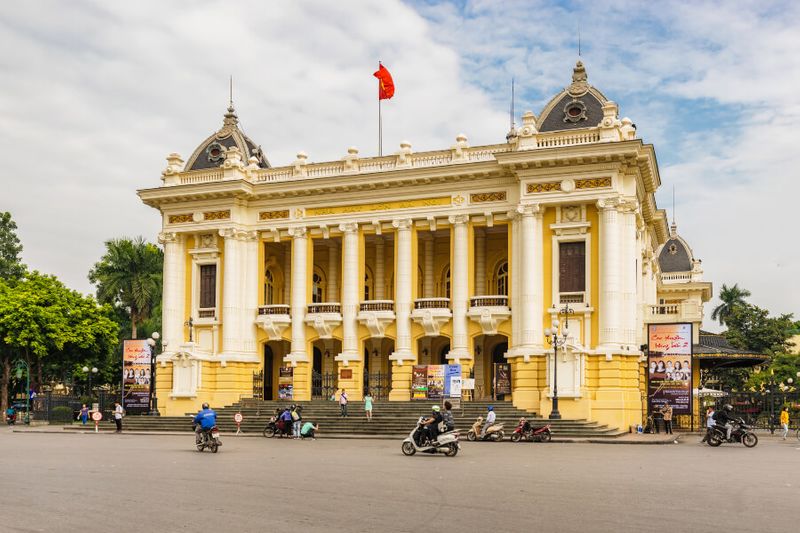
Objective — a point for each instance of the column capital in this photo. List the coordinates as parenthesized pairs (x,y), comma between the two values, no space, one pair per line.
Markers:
(402,223)
(610,203)
(298,232)
(458,219)
(628,205)
(169,237)
(348,227)
(227,233)
(529,210)
(238,234)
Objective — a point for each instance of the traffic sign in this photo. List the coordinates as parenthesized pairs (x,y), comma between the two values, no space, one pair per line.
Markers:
(238,418)
(97,416)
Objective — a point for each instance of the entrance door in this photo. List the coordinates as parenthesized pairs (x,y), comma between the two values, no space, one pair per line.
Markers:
(498,357)
(269,370)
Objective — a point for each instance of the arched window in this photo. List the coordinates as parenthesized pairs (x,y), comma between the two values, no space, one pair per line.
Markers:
(446,283)
(318,289)
(367,284)
(269,288)
(501,275)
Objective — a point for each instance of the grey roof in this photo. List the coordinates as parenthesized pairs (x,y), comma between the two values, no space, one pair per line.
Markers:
(585,100)
(675,256)
(229,135)
(714,351)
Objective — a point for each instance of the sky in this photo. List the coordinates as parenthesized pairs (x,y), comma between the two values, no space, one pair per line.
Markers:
(94,95)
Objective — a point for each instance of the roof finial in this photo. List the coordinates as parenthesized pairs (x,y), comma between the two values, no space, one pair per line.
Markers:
(579,40)
(230,93)
(512,132)
(673,228)
(230,117)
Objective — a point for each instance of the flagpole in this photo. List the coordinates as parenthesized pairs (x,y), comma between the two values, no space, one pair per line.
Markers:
(380,129)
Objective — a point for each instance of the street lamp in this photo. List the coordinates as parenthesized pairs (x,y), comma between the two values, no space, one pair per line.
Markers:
(152,342)
(19,364)
(90,374)
(553,338)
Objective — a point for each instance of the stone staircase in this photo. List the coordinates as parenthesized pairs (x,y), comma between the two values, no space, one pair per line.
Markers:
(390,419)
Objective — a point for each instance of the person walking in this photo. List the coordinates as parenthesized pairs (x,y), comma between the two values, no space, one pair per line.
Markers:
(343,403)
(84,416)
(709,424)
(667,411)
(785,421)
(368,406)
(297,420)
(447,417)
(118,413)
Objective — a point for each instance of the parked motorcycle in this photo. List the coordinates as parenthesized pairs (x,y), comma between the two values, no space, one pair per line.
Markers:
(276,426)
(494,432)
(208,438)
(11,419)
(525,430)
(741,433)
(446,443)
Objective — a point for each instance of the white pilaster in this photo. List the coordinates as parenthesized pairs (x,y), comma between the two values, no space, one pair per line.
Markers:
(232,292)
(380,262)
(333,272)
(427,274)
(350,289)
(287,273)
(460,288)
(299,270)
(514,289)
(610,286)
(249,309)
(403,291)
(629,276)
(172,318)
(531,266)
(480,263)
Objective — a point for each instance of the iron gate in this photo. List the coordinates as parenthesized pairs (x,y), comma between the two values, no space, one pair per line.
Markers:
(323,385)
(377,383)
(761,409)
(258,385)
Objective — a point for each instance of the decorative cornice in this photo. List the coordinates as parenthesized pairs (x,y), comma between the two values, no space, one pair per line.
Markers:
(273,215)
(217,215)
(183,218)
(593,183)
(547,186)
(495,196)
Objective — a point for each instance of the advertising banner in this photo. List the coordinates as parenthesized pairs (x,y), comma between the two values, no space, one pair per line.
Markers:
(136,376)
(669,376)
(502,378)
(435,381)
(286,383)
(419,382)
(450,372)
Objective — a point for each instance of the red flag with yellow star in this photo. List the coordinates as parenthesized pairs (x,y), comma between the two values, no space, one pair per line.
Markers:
(385,83)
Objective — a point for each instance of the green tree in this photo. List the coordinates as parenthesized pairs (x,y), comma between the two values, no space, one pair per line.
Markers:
(11,266)
(782,368)
(731,298)
(129,276)
(751,328)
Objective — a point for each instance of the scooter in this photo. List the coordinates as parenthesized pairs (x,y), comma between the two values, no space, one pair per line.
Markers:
(208,438)
(276,426)
(494,432)
(741,433)
(525,430)
(11,419)
(446,443)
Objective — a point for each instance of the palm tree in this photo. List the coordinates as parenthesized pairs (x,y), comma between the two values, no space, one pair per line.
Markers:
(731,297)
(129,276)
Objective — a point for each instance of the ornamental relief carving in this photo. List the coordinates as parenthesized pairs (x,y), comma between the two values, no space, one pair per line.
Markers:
(180,219)
(593,183)
(496,196)
(548,186)
(273,215)
(217,215)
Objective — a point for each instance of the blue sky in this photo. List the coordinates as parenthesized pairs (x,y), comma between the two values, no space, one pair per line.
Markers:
(96,94)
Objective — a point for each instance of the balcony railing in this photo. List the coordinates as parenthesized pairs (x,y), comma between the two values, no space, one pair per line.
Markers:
(432,303)
(377,305)
(278,309)
(489,301)
(207,312)
(324,308)
(665,309)
(571,297)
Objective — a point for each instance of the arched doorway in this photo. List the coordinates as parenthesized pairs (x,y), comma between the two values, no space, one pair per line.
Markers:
(489,351)
(274,352)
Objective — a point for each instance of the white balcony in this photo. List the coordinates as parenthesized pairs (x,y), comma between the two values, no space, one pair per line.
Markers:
(324,317)
(571,297)
(489,312)
(273,319)
(431,314)
(677,312)
(376,315)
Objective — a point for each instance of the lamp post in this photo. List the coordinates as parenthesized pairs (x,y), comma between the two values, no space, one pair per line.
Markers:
(19,364)
(153,342)
(557,342)
(90,374)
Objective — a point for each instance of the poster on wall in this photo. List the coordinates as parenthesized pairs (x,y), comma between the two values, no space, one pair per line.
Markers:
(502,378)
(419,382)
(286,383)
(452,374)
(435,381)
(136,376)
(669,367)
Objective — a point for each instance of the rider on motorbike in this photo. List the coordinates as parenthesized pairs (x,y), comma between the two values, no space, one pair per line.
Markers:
(490,418)
(723,418)
(205,420)
(430,425)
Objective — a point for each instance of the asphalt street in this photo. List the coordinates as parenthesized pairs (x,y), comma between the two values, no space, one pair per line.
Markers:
(121,483)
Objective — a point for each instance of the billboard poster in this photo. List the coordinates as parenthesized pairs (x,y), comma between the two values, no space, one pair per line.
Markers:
(286,383)
(502,378)
(450,372)
(419,382)
(435,381)
(136,376)
(669,367)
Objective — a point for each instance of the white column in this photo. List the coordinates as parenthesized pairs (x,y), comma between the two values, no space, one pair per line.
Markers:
(232,292)
(250,296)
(299,270)
(402,297)
(174,291)
(629,275)
(333,272)
(287,273)
(609,274)
(460,288)
(380,263)
(480,263)
(530,295)
(427,273)
(538,278)
(350,289)
(514,289)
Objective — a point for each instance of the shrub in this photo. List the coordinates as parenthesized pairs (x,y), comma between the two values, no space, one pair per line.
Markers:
(62,413)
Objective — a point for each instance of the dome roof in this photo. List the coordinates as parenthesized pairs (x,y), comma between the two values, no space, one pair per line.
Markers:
(211,152)
(578,106)
(675,254)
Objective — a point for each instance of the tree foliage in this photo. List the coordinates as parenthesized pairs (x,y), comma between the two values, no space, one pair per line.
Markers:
(731,297)
(751,328)
(11,266)
(129,276)
(782,368)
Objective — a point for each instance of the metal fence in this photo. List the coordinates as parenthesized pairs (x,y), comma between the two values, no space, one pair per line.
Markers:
(44,405)
(378,384)
(323,385)
(761,409)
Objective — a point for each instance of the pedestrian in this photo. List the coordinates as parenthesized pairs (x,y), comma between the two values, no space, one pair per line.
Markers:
(309,431)
(785,421)
(297,421)
(447,416)
(658,416)
(84,416)
(343,403)
(368,406)
(709,424)
(118,414)
(667,412)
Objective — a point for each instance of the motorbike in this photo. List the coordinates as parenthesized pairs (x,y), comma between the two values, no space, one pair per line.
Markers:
(446,443)
(525,430)
(11,419)
(494,432)
(279,427)
(741,433)
(208,438)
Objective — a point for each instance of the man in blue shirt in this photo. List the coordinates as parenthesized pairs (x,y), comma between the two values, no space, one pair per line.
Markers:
(205,420)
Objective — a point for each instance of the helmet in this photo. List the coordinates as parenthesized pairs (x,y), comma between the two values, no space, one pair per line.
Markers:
(435,408)
(205,405)
(490,408)
(728,407)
